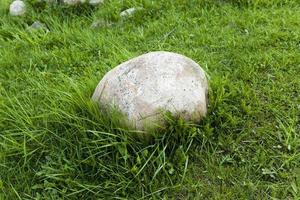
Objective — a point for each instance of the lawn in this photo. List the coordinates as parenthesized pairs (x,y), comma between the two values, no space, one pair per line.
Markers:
(56,144)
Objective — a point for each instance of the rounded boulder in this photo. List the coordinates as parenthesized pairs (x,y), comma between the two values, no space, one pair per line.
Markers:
(146,87)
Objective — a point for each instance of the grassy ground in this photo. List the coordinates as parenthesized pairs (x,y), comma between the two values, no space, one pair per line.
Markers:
(55,144)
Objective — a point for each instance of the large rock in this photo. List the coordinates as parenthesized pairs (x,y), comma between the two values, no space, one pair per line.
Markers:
(144,87)
(17,8)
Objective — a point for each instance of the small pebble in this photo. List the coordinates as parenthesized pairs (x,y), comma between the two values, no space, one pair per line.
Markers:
(17,8)
(96,2)
(37,26)
(97,24)
(100,23)
(128,12)
(73,2)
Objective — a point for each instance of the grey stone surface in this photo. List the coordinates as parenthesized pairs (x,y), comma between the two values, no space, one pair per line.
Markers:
(128,12)
(96,2)
(100,23)
(144,87)
(91,2)
(73,2)
(17,8)
(37,26)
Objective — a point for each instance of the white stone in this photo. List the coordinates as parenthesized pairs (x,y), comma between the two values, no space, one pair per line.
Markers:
(144,87)
(128,12)
(51,1)
(96,2)
(73,2)
(17,8)
(37,26)
(100,23)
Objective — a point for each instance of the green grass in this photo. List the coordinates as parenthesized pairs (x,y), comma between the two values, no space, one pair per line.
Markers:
(55,144)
